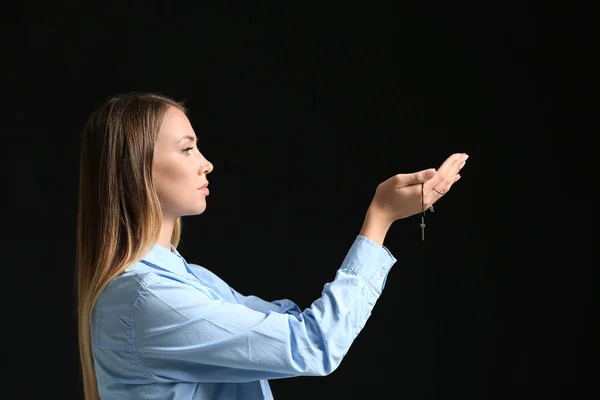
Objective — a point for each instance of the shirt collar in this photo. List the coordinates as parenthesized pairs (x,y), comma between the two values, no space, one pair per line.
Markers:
(160,257)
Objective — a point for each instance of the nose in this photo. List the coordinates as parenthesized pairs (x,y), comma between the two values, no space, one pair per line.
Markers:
(206,167)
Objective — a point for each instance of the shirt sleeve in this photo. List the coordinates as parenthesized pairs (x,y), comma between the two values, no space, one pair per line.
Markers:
(182,335)
(282,306)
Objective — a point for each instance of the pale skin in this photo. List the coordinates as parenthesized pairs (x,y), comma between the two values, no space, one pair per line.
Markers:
(179,172)
(400,196)
(180,176)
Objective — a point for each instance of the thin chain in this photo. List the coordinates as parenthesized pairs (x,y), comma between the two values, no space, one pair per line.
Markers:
(422,199)
(422,212)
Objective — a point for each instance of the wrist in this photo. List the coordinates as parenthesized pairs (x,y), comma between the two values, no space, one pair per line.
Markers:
(376,225)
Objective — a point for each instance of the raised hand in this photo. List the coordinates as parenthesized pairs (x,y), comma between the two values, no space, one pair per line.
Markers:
(402,195)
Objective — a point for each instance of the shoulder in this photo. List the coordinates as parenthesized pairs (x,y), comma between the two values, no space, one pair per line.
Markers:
(137,285)
(112,316)
(206,276)
(162,299)
(120,294)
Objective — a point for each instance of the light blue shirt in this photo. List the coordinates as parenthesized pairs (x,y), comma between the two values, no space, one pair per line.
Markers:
(166,329)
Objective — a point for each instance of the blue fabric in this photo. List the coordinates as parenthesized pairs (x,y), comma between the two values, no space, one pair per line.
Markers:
(166,329)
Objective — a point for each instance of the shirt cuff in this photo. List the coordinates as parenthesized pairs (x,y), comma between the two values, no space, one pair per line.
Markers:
(369,260)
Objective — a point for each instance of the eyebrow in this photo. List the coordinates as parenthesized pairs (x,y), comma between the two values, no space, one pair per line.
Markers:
(192,138)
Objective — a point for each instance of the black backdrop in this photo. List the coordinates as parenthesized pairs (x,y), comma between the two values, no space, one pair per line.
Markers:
(304,109)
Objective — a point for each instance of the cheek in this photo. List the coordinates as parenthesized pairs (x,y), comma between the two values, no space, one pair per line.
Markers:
(168,170)
(165,179)
(174,179)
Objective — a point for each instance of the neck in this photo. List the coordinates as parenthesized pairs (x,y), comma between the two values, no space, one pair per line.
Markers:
(166,231)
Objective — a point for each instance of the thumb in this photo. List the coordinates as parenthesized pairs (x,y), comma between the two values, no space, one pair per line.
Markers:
(421,176)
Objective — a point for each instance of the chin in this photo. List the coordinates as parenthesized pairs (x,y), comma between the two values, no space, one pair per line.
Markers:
(200,210)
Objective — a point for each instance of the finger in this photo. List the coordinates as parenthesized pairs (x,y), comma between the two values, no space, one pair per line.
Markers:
(434,193)
(443,171)
(447,188)
(415,177)
(456,167)
(453,173)
(422,176)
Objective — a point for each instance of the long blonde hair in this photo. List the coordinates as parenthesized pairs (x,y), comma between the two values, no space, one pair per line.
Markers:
(119,215)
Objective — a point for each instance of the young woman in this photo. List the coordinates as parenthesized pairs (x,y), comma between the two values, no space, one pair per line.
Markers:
(152,325)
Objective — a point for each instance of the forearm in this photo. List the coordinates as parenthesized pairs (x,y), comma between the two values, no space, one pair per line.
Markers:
(375,225)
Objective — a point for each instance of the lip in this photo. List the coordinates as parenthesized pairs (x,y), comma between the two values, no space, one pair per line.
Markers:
(204,188)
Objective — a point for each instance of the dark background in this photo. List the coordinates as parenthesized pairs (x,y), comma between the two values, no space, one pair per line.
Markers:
(303,110)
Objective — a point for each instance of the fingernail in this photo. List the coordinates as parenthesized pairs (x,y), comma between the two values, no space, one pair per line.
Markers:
(466,156)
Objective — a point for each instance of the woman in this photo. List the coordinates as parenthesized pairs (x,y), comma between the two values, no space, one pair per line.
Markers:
(152,325)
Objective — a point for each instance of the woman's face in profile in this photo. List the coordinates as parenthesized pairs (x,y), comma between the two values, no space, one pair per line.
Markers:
(179,170)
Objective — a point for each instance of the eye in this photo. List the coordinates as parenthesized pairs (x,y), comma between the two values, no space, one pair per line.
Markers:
(188,149)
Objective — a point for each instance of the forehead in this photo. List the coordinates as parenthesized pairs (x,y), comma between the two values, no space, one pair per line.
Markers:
(175,126)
